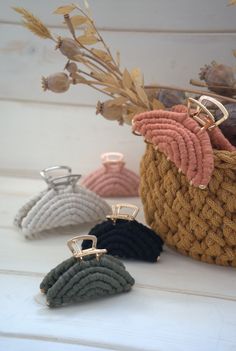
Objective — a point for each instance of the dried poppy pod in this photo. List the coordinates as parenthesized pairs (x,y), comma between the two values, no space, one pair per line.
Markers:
(217,76)
(71,67)
(109,111)
(68,47)
(171,98)
(58,82)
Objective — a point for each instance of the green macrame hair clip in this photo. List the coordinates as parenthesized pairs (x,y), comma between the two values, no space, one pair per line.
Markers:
(87,275)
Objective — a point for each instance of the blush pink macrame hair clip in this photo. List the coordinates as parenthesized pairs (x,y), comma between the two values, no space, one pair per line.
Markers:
(182,135)
(113,179)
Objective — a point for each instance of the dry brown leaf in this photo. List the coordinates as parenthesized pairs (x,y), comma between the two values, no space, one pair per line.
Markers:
(78,20)
(113,90)
(98,75)
(131,95)
(157,105)
(103,55)
(109,78)
(111,66)
(234,51)
(64,10)
(127,79)
(89,30)
(87,39)
(137,76)
(118,101)
(81,79)
(136,109)
(232,2)
(141,94)
(79,58)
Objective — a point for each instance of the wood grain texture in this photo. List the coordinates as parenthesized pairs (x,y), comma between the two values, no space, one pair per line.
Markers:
(39,136)
(164,59)
(140,320)
(176,304)
(26,342)
(154,15)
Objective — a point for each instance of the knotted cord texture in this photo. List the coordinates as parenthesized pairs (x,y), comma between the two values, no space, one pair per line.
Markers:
(76,281)
(127,239)
(112,182)
(60,207)
(198,223)
(183,141)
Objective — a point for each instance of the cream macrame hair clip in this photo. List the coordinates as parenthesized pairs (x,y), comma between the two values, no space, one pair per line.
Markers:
(64,203)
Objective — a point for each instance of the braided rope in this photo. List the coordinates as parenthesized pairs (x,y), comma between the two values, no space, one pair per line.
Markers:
(198,223)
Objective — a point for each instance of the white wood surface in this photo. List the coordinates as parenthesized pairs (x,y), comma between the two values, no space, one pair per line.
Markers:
(168,59)
(34,137)
(139,15)
(35,343)
(176,304)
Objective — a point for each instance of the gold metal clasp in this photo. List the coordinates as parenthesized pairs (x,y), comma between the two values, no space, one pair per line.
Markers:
(133,130)
(202,114)
(117,214)
(75,247)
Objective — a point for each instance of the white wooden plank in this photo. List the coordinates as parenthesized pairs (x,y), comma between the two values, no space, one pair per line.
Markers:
(15,343)
(139,15)
(39,136)
(164,58)
(140,320)
(174,272)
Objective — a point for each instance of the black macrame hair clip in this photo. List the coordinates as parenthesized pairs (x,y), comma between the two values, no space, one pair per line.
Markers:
(88,274)
(124,237)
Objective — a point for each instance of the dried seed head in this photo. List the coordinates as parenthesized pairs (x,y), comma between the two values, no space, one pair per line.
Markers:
(170,98)
(71,67)
(68,47)
(218,74)
(58,82)
(109,111)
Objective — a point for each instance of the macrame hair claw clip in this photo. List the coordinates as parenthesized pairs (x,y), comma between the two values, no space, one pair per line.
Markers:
(64,203)
(89,274)
(186,136)
(113,179)
(125,237)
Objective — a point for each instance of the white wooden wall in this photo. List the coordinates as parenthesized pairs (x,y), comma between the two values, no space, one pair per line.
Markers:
(168,40)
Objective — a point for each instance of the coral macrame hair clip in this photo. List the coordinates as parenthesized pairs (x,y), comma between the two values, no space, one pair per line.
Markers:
(186,137)
(64,203)
(113,179)
(124,237)
(89,274)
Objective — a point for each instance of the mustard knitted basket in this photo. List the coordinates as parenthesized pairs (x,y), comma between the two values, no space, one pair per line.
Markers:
(199,223)
(196,220)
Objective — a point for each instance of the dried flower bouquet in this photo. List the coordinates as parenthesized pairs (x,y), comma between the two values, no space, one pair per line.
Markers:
(90,62)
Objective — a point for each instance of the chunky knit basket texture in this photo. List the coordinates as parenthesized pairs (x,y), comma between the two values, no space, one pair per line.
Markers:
(196,222)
